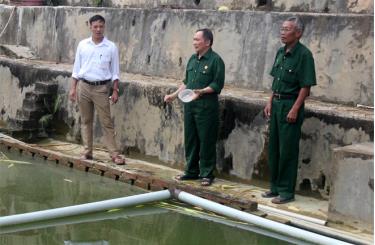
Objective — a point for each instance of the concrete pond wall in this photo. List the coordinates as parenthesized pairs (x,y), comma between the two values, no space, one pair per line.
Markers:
(143,123)
(155,44)
(158,42)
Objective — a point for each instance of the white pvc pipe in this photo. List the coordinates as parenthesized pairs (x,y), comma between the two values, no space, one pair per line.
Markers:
(261,222)
(84,208)
(288,214)
(78,219)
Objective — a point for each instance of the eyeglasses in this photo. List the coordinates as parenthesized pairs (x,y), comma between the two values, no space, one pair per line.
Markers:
(283,29)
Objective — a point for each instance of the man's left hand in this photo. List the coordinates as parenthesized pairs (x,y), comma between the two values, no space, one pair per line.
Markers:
(114,97)
(197,93)
(292,116)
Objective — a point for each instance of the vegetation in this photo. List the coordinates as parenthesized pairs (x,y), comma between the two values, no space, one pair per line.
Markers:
(52,108)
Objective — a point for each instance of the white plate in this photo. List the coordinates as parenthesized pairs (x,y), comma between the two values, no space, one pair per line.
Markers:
(186,95)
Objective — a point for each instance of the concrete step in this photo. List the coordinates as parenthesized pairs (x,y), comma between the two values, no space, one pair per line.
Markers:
(29,114)
(23,124)
(37,96)
(46,87)
(352,196)
(31,105)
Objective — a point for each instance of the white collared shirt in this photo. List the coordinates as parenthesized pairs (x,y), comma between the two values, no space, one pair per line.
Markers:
(96,62)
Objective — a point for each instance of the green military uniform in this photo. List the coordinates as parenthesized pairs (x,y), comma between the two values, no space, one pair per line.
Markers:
(201,116)
(291,71)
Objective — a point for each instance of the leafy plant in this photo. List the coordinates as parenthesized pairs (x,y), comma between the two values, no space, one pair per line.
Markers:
(52,108)
(98,3)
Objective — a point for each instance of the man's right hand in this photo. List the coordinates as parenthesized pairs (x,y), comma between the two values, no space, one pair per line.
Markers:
(267,110)
(73,94)
(169,98)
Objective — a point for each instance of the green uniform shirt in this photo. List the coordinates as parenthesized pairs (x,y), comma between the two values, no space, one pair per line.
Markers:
(293,70)
(208,71)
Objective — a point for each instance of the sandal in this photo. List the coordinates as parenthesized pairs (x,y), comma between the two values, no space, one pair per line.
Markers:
(118,160)
(183,177)
(85,156)
(207,181)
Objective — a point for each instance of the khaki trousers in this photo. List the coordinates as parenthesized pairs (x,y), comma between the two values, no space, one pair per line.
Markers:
(90,97)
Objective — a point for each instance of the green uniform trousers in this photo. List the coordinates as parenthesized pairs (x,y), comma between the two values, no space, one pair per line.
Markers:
(201,121)
(284,147)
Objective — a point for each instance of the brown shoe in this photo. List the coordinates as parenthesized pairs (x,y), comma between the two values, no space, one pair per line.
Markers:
(118,160)
(86,156)
(282,200)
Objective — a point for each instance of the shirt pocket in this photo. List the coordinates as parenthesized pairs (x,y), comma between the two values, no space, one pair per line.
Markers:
(104,61)
(289,74)
(205,74)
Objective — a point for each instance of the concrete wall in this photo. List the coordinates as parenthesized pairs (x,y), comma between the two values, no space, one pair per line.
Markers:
(352,196)
(324,6)
(144,123)
(158,43)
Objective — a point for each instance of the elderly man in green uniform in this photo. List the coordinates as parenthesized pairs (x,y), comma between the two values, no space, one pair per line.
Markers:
(205,74)
(294,74)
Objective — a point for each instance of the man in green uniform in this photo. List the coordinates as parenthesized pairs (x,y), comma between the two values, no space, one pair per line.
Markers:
(294,74)
(205,74)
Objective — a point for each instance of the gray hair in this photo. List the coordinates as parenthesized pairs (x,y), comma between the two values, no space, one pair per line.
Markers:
(297,22)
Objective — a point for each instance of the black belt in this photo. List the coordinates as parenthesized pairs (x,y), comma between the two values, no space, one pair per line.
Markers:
(96,82)
(285,96)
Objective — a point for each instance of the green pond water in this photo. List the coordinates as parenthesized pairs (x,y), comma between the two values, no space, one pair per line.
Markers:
(35,184)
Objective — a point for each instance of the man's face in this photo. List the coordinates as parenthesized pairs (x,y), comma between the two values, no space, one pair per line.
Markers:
(97,29)
(288,33)
(199,43)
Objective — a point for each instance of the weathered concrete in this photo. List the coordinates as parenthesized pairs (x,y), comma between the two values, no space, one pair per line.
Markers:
(352,196)
(154,42)
(145,124)
(326,6)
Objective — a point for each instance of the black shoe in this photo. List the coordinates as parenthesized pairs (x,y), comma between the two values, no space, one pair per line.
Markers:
(207,181)
(269,194)
(282,200)
(185,177)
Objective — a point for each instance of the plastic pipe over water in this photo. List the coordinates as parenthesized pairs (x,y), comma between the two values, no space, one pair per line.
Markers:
(84,208)
(258,221)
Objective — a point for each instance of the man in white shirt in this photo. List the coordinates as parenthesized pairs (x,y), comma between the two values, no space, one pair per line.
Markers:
(96,64)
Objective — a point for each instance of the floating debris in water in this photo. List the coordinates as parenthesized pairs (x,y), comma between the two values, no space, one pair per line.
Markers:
(68,180)
(14,161)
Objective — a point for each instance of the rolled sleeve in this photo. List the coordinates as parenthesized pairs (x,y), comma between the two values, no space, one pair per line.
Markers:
(115,64)
(219,70)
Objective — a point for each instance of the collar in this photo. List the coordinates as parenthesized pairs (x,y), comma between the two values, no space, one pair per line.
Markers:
(206,55)
(293,50)
(103,42)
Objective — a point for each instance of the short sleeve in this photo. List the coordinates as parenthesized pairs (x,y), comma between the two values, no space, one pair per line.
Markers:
(306,74)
